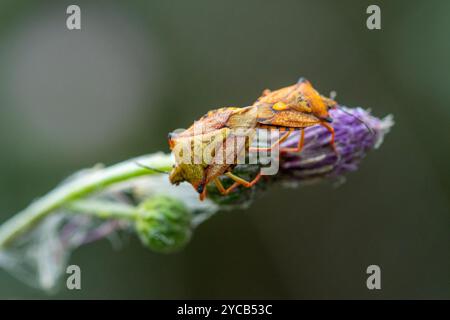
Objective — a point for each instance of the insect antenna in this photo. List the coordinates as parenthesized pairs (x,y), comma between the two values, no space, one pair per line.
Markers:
(357,118)
(151,168)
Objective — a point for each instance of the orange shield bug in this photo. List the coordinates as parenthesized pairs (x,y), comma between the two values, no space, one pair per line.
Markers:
(210,148)
(294,108)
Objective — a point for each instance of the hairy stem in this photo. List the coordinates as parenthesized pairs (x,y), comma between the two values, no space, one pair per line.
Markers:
(103,209)
(77,188)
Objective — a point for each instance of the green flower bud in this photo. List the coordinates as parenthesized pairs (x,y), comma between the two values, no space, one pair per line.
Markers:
(163,224)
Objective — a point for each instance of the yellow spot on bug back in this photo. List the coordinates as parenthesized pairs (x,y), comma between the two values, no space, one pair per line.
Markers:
(279,106)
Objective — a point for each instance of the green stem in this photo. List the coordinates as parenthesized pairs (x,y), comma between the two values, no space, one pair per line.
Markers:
(77,188)
(103,209)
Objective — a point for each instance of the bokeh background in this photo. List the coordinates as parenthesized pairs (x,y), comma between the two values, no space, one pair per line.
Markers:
(139,69)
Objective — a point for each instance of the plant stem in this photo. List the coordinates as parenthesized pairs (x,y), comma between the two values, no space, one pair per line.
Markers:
(103,209)
(85,184)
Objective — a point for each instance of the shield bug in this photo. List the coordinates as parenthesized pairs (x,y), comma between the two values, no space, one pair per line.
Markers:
(294,108)
(210,148)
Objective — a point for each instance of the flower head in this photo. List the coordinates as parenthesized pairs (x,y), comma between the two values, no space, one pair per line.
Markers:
(356,133)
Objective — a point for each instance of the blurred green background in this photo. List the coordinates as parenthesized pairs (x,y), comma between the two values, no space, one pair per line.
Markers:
(139,69)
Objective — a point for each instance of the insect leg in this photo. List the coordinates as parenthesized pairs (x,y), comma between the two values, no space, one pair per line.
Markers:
(331,129)
(280,140)
(244,182)
(222,189)
(220,186)
(300,144)
(203,194)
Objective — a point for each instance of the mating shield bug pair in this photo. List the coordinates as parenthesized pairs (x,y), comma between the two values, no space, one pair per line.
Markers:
(288,109)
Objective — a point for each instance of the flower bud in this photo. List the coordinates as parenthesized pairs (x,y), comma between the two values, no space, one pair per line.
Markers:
(163,224)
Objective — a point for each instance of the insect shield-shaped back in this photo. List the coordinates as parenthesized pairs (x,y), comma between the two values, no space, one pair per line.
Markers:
(296,106)
(192,155)
(288,118)
(196,149)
